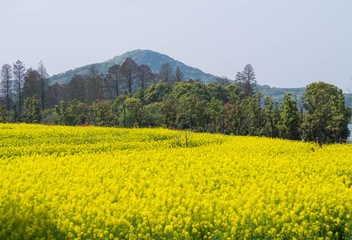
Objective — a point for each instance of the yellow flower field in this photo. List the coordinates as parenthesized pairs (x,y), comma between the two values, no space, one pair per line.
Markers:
(105,183)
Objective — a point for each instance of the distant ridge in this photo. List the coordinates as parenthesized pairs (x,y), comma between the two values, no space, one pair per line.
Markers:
(153,59)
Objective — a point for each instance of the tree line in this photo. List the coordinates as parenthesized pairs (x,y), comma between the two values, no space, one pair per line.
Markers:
(131,95)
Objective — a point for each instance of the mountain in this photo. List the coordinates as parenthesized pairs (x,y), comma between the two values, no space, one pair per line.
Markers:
(153,59)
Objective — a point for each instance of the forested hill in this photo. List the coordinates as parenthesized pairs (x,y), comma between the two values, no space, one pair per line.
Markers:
(153,59)
(277,94)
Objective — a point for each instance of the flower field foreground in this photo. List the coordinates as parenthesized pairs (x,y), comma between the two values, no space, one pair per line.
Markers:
(105,183)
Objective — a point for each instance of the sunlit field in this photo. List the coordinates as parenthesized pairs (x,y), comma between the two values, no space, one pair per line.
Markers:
(105,183)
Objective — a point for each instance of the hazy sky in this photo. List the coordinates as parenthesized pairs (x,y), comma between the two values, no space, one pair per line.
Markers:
(290,43)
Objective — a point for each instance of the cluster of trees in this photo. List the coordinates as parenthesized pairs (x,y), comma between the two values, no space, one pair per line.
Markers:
(122,79)
(132,96)
(17,84)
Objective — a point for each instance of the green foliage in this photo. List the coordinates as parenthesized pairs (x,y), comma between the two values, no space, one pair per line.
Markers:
(50,117)
(74,113)
(140,95)
(245,116)
(219,92)
(168,110)
(31,110)
(191,89)
(216,112)
(3,114)
(155,93)
(119,101)
(235,119)
(126,119)
(327,116)
(136,107)
(103,114)
(217,108)
(290,120)
(234,93)
(272,118)
(156,118)
(255,116)
(192,113)
(6,116)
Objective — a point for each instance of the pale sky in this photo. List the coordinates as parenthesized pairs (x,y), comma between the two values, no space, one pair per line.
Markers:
(290,43)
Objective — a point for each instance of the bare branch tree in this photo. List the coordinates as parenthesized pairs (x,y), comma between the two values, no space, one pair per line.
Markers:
(128,72)
(6,84)
(113,82)
(165,73)
(19,72)
(144,76)
(44,81)
(178,75)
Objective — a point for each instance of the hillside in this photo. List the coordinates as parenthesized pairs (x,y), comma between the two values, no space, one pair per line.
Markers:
(277,94)
(153,59)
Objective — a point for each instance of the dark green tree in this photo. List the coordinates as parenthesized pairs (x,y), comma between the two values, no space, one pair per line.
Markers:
(216,111)
(255,117)
(236,117)
(289,124)
(73,113)
(103,114)
(136,107)
(3,114)
(31,85)
(272,118)
(63,114)
(6,116)
(140,94)
(192,89)
(156,119)
(218,92)
(168,110)
(203,117)
(327,116)
(31,110)
(156,93)
(192,113)
(247,80)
